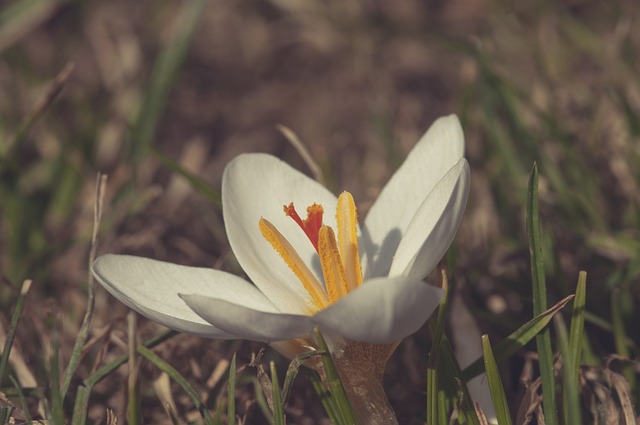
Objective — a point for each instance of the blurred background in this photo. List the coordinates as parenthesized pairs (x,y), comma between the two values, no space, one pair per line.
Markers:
(150,91)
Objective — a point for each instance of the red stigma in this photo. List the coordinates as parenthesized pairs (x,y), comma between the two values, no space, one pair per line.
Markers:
(311,225)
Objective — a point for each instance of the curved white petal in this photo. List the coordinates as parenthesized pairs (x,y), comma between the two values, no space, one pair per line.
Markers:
(257,186)
(434,226)
(151,288)
(247,322)
(381,311)
(438,150)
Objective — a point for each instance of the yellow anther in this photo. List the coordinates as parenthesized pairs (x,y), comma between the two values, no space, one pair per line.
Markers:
(295,263)
(347,221)
(332,269)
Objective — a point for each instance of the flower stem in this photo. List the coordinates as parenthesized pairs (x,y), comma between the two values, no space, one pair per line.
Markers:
(361,368)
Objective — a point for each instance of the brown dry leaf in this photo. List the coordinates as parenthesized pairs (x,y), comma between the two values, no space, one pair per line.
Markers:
(621,387)
(531,402)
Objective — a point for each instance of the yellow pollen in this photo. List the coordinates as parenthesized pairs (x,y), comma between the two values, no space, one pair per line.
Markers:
(334,276)
(347,221)
(340,260)
(295,263)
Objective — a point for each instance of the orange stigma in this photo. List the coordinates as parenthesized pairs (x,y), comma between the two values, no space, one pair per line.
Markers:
(311,225)
(337,251)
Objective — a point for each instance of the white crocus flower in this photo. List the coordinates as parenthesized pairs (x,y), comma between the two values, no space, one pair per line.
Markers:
(361,286)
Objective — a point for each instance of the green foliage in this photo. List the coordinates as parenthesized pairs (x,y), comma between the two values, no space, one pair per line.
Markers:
(495,384)
(551,84)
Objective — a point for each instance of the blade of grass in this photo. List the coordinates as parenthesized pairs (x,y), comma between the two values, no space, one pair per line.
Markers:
(134,413)
(84,391)
(55,88)
(101,373)
(81,405)
(172,415)
(19,18)
(304,153)
(570,381)
(165,71)
(23,400)
(5,414)
(495,384)
(196,182)
(432,363)
(576,334)
(278,408)
(333,381)
(85,328)
(179,379)
(11,333)
(231,391)
(327,401)
(449,387)
(621,387)
(543,339)
(516,340)
(293,369)
(263,404)
(620,333)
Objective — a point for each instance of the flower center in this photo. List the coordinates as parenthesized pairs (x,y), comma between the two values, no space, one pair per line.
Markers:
(339,258)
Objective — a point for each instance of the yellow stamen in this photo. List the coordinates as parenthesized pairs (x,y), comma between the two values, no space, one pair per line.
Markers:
(332,269)
(295,263)
(347,220)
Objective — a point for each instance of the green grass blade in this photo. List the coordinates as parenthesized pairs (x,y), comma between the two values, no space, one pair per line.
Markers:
(134,411)
(278,407)
(11,333)
(101,373)
(5,414)
(543,339)
(263,404)
(333,381)
(81,405)
(495,384)
(516,340)
(576,335)
(618,296)
(54,89)
(22,398)
(19,18)
(164,73)
(432,363)
(327,401)
(231,392)
(196,182)
(172,414)
(84,391)
(179,379)
(570,381)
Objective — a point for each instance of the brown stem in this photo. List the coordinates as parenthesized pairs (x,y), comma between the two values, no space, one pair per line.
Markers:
(361,367)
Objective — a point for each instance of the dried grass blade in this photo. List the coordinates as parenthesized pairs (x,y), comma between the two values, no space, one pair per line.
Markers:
(85,328)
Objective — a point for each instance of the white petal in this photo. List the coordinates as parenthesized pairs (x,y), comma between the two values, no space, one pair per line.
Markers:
(434,226)
(151,288)
(257,186)
(438,150)
(382,310)
(248,322)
